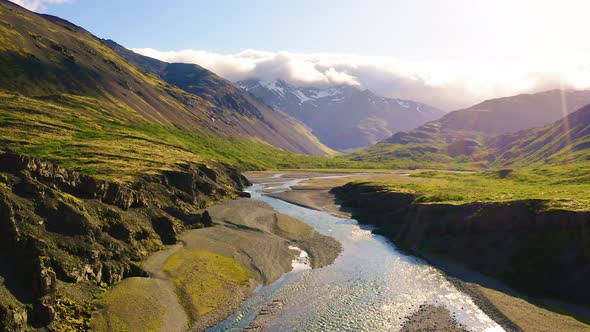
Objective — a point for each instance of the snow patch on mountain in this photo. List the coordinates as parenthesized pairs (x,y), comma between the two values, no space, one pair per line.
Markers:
(403,103)
(302,97)
(331,92)
(273,86)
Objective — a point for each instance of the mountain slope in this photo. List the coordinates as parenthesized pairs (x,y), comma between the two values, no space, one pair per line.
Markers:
(463,136)
(103,163)
(510,114)
(46,58)
(566,141)
(224,94)
(343,117)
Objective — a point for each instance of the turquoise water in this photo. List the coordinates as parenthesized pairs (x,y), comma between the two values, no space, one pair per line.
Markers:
(370,287)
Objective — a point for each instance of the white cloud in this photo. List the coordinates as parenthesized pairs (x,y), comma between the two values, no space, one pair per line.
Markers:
(36,4)
(446,85)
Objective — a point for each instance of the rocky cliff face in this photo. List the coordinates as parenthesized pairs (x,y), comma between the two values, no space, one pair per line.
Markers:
(63,234)
(535,250)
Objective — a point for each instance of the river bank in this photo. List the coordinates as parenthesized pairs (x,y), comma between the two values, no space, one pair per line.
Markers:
(511,310)
(204,278)
(314,194)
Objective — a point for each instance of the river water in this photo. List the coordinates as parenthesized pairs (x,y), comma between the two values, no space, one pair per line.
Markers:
(370,287)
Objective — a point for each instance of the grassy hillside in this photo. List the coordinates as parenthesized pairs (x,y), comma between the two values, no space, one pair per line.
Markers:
(429,146)
(70,130)
(470,138)
(67,96)
(566,141)
(436,145)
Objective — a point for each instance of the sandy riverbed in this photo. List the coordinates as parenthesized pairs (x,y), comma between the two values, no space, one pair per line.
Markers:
(212,270)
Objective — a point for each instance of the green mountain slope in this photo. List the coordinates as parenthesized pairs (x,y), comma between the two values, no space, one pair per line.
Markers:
(566,141)
(226,95)
(67,95)
(103,163)
(467,138)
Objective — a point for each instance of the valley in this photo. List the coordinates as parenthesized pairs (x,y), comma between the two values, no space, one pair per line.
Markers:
(312,190)
(144,194)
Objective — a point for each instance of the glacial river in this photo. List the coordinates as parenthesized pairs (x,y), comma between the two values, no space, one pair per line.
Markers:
(370,287)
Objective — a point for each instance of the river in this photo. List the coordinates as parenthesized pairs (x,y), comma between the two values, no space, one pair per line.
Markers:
(370,287)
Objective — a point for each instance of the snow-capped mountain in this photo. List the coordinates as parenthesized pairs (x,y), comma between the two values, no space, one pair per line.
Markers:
(343,117)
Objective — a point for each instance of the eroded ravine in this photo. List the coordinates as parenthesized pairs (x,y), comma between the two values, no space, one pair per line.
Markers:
(371,286)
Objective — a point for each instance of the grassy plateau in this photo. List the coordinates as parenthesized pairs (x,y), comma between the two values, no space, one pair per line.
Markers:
(562,186)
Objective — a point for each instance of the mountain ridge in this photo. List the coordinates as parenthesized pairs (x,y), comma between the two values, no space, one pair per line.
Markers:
(342,116)
(467,137)
(564,141)
(45,57)
(513,113)
(201,82)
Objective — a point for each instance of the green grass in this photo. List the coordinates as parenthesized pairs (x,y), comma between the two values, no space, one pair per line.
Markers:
(85,134)
(203,279)
(563,186)
(132,305)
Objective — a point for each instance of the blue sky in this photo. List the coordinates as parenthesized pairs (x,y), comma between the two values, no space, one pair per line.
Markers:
(469,30)
(450,53)
(224,25)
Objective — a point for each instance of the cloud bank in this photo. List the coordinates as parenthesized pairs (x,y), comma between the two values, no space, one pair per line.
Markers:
(36,4)
(445,85)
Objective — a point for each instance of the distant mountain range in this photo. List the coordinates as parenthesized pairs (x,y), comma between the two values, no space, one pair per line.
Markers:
(343,117)
(500,131)
(514,113)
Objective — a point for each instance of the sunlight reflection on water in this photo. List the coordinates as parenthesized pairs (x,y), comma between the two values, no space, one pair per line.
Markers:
(370,287)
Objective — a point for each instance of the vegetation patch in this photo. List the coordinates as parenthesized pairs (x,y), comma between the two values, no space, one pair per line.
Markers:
(90,136)
(555,187)
(135,304)
(204,280)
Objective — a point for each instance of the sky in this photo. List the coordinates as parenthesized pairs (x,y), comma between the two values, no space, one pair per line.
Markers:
(451,53)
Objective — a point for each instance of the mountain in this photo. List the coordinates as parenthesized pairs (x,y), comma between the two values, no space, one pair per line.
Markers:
(511,114)
(201,82)
(103,162)
(343,117)
(565,141)
(464,136)
(49,59)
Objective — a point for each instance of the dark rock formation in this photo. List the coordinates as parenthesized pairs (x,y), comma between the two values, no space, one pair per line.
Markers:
(539,251)
(244,194)
(58,226)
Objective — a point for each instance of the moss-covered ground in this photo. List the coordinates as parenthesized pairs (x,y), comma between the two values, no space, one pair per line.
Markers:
(204,280)
(135,304)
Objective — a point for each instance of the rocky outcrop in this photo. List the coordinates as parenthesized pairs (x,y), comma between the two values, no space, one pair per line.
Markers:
(540,251)
(59,227)
(13,317)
